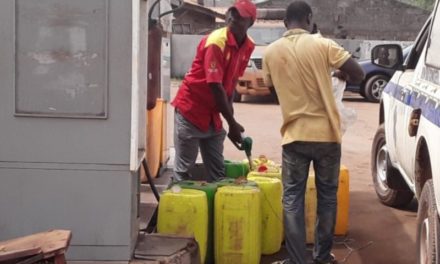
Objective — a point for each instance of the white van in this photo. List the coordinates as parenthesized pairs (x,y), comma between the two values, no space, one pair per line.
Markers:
(405,158)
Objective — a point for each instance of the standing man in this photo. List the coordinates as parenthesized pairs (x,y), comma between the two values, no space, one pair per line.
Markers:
(298,66)
(207,91)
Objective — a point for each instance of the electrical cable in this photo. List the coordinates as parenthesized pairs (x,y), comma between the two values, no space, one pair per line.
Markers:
(345,243)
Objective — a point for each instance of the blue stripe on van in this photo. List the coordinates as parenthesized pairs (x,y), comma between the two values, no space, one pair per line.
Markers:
(416,101)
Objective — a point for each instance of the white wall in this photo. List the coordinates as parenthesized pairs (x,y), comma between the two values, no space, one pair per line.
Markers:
(183,49)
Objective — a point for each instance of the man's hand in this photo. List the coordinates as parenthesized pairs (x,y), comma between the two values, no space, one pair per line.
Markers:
(353,70)
(235,130)
(340,75)
(315,29)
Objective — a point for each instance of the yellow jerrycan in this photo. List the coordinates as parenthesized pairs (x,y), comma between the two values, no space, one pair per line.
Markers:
(237,226)
(272,213)
(341,227)
(184,212)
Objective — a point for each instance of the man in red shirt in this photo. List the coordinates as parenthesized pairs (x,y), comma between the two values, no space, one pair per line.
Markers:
(206,92)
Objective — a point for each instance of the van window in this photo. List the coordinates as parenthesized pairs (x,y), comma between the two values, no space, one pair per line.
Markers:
(413,58)
(433,53)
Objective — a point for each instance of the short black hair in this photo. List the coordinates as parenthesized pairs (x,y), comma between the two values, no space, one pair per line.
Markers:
(298,11)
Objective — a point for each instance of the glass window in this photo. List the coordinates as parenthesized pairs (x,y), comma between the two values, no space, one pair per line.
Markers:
(416,50)
(433,53)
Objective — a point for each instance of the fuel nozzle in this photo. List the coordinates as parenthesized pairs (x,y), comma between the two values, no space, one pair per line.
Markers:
(246,146)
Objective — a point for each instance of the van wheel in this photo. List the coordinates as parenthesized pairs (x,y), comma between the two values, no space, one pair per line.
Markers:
(427,226)
(237,97)
(383,172)
(374,86)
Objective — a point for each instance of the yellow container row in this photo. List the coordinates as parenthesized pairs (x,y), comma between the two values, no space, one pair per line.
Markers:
(248,220)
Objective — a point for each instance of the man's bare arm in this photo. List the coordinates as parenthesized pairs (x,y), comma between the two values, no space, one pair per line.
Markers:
(351,71)
(226,109)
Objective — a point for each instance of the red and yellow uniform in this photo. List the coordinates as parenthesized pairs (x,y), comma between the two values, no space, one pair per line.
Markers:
(219,59)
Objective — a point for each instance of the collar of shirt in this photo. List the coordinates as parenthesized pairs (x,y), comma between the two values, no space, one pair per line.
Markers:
(295,31)
(232,42)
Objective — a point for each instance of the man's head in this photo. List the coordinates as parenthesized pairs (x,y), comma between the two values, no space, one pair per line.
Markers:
(298,14)
(383,53)
(241,16)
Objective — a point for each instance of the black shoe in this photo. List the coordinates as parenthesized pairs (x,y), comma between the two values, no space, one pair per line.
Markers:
(332,260)
(285,261)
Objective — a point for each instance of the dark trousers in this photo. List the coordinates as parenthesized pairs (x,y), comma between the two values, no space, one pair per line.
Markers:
(297,157)
(188,139)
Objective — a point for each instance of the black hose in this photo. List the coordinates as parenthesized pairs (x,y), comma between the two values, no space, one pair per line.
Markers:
(152,224)
(171,11)
(152,21)
(150,13)
(150,180)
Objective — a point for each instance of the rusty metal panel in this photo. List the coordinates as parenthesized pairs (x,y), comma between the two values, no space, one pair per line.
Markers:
(61,58)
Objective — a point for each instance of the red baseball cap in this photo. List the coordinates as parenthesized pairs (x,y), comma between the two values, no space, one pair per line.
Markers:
(246,8)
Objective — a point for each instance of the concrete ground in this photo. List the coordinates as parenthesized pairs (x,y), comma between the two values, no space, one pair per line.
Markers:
(377,234)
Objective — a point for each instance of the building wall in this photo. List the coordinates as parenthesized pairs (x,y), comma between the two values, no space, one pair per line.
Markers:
(183,49)
(364,19)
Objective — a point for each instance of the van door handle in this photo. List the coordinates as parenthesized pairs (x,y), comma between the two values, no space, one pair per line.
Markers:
(403,93)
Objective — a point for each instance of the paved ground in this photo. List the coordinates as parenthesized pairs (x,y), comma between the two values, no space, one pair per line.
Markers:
(377,234)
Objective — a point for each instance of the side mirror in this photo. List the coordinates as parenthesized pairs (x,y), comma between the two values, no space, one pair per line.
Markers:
(388,56)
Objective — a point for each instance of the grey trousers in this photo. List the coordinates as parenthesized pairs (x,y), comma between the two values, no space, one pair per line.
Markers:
(297,157)
(187,141)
